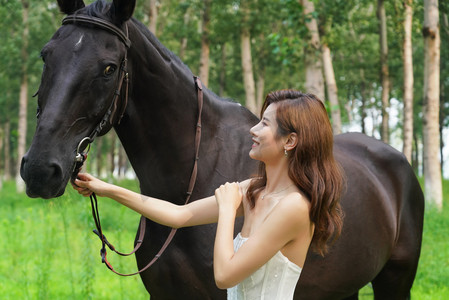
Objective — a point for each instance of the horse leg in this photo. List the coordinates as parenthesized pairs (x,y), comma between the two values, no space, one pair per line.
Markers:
(396,278)
(393,282)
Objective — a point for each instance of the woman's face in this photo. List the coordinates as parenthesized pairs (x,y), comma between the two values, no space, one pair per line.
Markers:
(266,147)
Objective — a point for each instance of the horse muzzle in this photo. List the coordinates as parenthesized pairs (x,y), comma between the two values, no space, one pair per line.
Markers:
(43,179)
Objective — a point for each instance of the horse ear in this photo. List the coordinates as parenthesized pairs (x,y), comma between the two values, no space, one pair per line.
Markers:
(69,6)
(122,10)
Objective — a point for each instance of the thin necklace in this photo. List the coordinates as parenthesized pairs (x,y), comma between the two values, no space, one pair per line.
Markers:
(277,192)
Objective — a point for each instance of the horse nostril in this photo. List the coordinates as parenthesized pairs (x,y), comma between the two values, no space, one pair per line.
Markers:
(55,171)
(22,166)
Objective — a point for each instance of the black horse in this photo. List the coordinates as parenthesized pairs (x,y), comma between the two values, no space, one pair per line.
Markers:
(383,204)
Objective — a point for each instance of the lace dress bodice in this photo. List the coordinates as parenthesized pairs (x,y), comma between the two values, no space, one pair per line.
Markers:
(276,280)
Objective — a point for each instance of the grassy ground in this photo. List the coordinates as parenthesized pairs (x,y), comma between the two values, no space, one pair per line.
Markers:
(48,250)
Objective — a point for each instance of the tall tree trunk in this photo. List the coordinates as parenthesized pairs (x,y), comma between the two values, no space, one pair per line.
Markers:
(260,87)
(431,141)
(313,56)
(260,63)
(23,101)
(222,70)
(7,153)
(385,77)
(183,44)
(332,91)
(408,81)
(205,48)
(247,63)
(153,16)
(363,100)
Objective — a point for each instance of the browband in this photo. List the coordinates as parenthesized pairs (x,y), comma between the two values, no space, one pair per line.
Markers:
(108,26)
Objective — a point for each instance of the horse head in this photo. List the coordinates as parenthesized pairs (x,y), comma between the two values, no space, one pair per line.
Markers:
(78,97)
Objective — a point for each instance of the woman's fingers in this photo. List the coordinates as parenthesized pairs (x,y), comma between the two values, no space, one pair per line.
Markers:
(81,184)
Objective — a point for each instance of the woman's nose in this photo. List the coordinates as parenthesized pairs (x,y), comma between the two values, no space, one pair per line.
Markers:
(252,131)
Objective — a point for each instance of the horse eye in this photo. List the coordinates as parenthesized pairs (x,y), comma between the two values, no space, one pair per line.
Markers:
(109,70)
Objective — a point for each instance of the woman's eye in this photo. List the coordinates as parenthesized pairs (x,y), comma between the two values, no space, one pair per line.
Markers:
(109,70)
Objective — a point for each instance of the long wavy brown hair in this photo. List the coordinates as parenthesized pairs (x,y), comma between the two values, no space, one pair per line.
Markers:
(311,164)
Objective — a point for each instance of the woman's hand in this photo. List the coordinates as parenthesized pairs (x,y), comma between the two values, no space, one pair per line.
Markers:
(229,196)
(87,184)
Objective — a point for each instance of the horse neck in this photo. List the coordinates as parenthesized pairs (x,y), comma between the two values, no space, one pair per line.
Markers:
(158,130)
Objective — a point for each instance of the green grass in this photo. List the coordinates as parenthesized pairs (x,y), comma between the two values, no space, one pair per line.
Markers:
(48,250)
(432,279)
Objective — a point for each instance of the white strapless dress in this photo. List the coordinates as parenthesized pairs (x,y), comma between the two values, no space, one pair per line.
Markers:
(276,280)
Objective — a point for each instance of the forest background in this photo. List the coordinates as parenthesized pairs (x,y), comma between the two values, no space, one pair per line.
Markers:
(370,61)
(376,64)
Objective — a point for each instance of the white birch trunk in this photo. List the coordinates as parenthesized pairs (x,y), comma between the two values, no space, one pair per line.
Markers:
(23,99)
(248,75)
(408,81)
(205,48)
(153,16)
(431,138)
(183,44)
(332,91)
(260,87)
(314,74)
(385,77)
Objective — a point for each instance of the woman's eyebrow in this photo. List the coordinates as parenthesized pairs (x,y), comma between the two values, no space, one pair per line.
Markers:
(266,119)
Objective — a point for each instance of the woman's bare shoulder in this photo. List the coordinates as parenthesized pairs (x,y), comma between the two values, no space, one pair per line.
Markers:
(294,204)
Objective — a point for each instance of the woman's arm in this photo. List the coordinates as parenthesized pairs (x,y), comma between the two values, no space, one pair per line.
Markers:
(287,222)
(203,211)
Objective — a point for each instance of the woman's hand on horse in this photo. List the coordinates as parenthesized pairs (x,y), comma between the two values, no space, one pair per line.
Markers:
(229,196)
(87,184)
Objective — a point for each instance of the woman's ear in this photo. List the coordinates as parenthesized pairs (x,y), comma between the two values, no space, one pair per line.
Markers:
(291,142)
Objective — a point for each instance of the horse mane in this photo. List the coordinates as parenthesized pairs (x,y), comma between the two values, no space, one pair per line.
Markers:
(152,39)
(101,9)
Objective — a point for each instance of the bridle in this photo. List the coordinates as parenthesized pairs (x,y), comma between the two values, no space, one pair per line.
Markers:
(113,115)
(116,108)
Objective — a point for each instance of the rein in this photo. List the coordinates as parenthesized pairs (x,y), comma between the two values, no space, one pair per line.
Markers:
(81,154)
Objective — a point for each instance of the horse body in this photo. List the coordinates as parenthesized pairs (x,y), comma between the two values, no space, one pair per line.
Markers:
(383,204)
(381,237)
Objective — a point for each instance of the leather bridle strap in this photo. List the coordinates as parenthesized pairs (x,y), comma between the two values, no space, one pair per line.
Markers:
(123,36)
(142,226)
(103,24)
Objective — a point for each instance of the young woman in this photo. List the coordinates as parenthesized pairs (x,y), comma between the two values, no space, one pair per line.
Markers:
(292,204)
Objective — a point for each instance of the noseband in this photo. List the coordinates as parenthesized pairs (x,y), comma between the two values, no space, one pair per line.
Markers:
(81,153)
